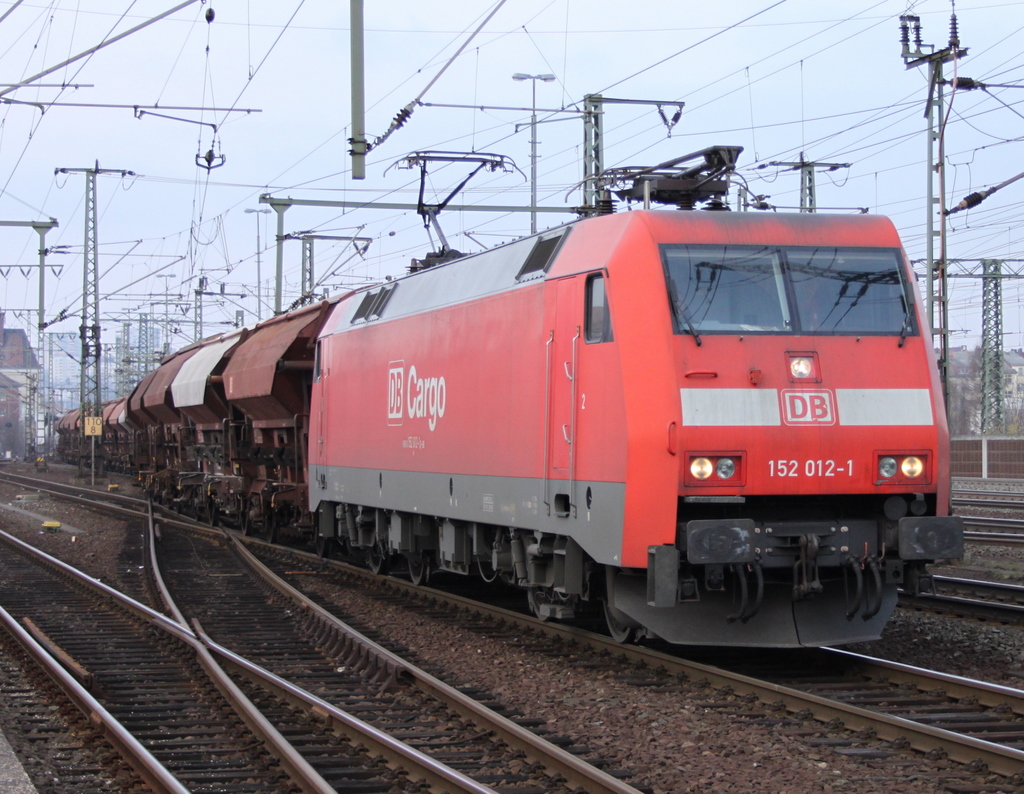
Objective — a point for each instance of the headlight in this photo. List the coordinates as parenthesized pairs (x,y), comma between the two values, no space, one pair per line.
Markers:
(912,467)
(896,468)
(801,367)
(701,468)
(709,469)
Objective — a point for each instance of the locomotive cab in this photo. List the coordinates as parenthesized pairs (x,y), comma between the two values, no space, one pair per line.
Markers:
(813,476)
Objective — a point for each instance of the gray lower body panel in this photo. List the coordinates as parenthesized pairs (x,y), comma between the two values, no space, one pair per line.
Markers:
(499,501)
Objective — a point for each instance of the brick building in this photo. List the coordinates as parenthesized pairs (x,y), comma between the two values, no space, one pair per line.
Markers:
(18,363)
(11,437)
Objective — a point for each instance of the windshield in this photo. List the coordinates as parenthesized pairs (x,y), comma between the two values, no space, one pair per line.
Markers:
(789,290)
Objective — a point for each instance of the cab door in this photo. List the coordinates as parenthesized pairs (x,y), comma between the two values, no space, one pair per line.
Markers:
(562,360)
(321,383)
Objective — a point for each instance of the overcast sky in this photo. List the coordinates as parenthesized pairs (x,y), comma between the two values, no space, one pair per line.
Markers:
(778,77)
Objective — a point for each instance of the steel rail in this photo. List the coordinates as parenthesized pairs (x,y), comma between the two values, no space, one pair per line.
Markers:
(303,775)
(964,749)
(994,538)
(131,750)
(398,753)
(1015,591)
(998,600)
(964,607)
(577,772)
(93,501)
(78,490)
(957,686)
(994,523)
(1006,588)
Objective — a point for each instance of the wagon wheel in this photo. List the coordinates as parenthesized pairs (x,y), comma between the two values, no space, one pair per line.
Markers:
(618,627)
(419,568)
(250,516)
(270,528)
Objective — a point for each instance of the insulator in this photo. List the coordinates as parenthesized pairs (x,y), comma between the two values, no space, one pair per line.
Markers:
(917,32)
(904,32)
(401,117)
(954,34)
(973,200)
(965,83)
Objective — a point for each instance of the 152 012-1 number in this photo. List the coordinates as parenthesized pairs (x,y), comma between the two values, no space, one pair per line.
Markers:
(810,468)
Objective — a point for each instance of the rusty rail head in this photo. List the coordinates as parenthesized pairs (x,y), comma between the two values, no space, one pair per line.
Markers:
(79,673)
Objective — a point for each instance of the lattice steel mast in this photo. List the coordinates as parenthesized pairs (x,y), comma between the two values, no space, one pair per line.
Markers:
(89,331)
(993,415)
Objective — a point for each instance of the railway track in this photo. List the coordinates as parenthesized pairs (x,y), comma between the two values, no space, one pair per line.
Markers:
(895,702)
(174,714)
(115,502)
(129,670)
(230,592)
(445,732)
(859,692)
(971,598)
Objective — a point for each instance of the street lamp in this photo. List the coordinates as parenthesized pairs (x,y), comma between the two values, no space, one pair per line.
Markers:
(533,78)
(259,274)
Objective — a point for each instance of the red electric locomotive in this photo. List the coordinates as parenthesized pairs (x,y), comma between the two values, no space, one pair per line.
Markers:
(720,428)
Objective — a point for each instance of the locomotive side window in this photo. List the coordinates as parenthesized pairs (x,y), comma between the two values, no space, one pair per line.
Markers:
(598,322)
(791,290)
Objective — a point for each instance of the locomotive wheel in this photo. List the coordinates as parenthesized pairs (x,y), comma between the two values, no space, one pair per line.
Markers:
(619,630)
(377,560)
(419,568)
(323,546)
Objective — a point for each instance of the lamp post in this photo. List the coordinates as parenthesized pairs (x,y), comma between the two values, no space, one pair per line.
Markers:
(259,273)
(533,78)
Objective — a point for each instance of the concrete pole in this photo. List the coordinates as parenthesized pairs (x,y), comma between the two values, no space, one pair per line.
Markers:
(279,271)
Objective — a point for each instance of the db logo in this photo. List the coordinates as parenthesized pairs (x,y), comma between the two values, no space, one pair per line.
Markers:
(808,407)
(396,391)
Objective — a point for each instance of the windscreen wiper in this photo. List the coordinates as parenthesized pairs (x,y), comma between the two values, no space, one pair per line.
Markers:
(907,317)
(680,312)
